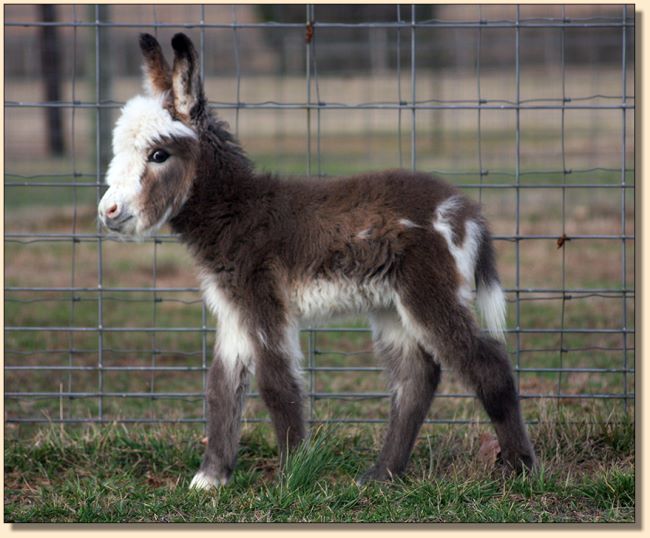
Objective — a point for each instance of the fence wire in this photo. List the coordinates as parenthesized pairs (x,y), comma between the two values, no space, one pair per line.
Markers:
(130,340)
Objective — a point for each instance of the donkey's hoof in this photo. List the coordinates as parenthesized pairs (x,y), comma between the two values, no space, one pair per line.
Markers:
(516,463)
(204,482)
(374,474)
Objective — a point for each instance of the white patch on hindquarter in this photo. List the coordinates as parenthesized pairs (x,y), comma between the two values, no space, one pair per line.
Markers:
(465,254)
(233,343)
(321,299)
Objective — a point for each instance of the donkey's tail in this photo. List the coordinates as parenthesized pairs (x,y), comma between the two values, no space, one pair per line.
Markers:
(490,299)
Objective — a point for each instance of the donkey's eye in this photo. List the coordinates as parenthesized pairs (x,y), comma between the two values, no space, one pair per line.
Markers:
(158,156)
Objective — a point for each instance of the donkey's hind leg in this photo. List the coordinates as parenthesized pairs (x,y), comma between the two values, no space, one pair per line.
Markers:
(490,373)
(447,328)
(414,377)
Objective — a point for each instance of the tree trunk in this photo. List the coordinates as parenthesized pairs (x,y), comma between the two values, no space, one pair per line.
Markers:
(51,69)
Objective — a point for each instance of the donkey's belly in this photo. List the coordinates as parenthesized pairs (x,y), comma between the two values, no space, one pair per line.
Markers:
(322,299)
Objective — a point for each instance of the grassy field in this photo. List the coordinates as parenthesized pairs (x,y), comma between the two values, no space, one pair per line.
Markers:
(586,476)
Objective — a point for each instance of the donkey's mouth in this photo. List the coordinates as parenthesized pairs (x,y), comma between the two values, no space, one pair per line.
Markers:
(116,226)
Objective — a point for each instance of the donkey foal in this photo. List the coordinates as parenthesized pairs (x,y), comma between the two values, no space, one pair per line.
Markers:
(402,246)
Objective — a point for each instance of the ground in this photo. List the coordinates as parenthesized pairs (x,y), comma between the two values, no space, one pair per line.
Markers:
(586,475)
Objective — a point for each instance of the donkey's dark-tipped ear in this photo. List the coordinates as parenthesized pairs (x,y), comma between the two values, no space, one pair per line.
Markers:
(189,102)
(157,74)
(148,43)
(183,44)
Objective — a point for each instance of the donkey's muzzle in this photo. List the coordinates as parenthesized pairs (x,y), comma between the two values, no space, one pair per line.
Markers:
(114,217)
(116,224)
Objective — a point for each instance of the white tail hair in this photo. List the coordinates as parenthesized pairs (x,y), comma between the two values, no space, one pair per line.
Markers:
(491,302)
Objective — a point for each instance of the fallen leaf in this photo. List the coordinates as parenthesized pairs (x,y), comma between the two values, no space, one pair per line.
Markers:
(489,449)
(153,481)
(268,469)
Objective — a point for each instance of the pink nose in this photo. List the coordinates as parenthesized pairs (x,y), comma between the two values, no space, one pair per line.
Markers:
(113,211)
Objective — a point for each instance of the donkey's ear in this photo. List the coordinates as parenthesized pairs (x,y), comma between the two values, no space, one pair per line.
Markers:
(157,74)
(189,102)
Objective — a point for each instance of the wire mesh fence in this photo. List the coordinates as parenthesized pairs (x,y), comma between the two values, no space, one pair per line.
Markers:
(529,109)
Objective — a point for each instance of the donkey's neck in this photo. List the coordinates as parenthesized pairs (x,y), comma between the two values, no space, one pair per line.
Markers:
(225,182)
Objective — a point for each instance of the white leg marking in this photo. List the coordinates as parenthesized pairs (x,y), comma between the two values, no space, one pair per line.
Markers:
(291,347)
(415,329)
(204,482)
(233,344)
(388,329)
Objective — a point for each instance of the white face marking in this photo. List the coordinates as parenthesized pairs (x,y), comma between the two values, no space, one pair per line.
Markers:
(233,344)
(143,120)
(465,254)
(321,299)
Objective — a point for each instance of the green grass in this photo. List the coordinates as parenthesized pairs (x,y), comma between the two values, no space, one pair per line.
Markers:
(586,475)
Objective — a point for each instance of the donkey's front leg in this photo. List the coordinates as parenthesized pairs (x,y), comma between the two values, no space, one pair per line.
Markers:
(226,391)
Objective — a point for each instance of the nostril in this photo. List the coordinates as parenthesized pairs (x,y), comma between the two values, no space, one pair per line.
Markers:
(113,211)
